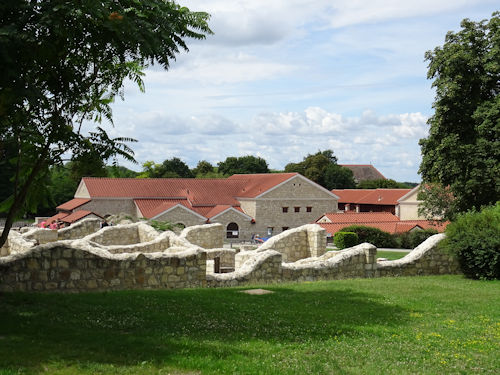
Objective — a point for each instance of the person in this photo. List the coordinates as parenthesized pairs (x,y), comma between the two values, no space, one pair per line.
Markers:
(104,223)
(53,225)
(258,239)
(43,224)
(253,238)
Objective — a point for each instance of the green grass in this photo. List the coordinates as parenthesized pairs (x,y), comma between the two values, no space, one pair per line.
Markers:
(422,325)
(391,255)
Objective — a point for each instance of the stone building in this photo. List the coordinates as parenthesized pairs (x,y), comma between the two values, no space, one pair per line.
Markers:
(370,200)
(263,204)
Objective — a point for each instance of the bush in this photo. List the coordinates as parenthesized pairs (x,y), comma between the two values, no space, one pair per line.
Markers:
(372,235)
(410,240)
(162,226)
(475,238)
(345,239)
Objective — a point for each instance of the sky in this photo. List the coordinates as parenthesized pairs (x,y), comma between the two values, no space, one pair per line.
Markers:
(281,79)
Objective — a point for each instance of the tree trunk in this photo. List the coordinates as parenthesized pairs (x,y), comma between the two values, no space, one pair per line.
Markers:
(21,197)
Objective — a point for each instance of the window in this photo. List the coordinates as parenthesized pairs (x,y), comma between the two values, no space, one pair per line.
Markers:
(297,209)
(285,209)
(232,230)
(309,209)
(270,231)
(284,228)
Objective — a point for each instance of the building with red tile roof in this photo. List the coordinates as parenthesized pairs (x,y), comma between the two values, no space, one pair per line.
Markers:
(253,203)
(370,200)
(335,222)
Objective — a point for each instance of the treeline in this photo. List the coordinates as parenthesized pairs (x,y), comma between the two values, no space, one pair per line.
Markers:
(61,182)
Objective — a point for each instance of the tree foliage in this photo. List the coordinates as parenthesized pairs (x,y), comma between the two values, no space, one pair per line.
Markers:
(243,165)
(383,184)
(323,169)
(63,63)
(175,168)
(462,151)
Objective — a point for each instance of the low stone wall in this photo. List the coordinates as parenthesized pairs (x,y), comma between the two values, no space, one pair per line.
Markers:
(298,243)
(425,259)
(359,261)
(63,267)
(207,236)
(16,243)
(160,243)
(127,234)
(41,235)
(263,268)
(169,261)
(80,229)
(226,256)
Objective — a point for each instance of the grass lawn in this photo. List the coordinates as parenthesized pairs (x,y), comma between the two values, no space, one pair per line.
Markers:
(421,325)
(391,255)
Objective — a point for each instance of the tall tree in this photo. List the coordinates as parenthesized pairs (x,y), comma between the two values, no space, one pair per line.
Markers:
(63,62)
(243,165)
(173,168)
(462,151)
(202,168)
(323,169)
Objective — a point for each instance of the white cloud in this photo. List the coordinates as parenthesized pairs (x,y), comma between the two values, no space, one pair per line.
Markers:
(280,138)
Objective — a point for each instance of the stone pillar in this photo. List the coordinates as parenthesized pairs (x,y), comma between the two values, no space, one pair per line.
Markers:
(316,237)
(371,261)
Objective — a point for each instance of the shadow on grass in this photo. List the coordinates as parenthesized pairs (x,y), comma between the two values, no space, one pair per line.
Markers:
(162,327)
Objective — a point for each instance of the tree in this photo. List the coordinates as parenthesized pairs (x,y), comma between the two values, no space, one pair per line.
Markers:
(63,63)
(119,171)
(338,177)
(150,170)
(323,169)
(383,184)
(243,165)
(462,151)
(174,168)
(202,168)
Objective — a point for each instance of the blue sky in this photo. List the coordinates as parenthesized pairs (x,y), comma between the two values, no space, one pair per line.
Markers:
(284,78)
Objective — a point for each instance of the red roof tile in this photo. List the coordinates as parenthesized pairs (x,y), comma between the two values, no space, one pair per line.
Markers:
(390,227)
(253,185)
(56,217)
(151,207)
(72,204)
(199,192)
(361,217)
(77,215)
(370,196)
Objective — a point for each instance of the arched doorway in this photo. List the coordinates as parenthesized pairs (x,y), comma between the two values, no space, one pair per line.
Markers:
(232,231)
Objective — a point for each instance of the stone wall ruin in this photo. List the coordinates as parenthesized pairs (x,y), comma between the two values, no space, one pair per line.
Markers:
(142,258)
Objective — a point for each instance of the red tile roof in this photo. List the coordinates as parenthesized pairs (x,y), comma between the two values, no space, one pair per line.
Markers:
(370,196)
(77,215)
(72,204)
(202,192)
(361,217)
(151,207)
(253,185)
(382,220)
(363,172)
(56,217)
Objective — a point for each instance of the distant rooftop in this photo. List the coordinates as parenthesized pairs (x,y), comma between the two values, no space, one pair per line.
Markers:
(364,172)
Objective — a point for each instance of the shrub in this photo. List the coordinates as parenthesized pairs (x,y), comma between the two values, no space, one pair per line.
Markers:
(410,240)
(475,238)
(162,226)
(345,239)
(418,236)
(372,235)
